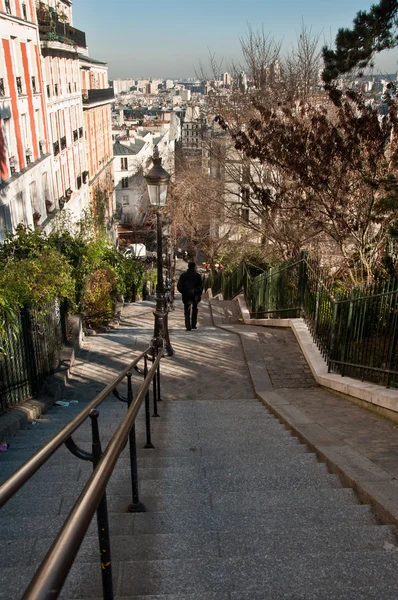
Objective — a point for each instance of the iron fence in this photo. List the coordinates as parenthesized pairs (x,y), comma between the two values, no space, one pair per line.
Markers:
(356,332)
(31,352)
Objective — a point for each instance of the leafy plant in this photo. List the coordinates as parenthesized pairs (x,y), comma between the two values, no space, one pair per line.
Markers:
(98,298)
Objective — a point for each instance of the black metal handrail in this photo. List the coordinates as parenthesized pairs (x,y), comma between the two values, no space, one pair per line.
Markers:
(32,465)
(53,571)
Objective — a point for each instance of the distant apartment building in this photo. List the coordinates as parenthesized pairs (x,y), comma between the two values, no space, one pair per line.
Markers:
(132,156)
(122,85)
(97,101)
(26,186)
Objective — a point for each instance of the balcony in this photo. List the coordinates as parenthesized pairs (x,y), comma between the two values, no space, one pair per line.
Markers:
(55,31)
(103,96)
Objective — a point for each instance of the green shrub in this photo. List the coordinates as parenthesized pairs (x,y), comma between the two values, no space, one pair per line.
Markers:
(98,299)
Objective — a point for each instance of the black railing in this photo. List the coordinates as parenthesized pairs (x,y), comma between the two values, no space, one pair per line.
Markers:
(53,571)
(31,352)
(94,96)
(356,332)
(56,31)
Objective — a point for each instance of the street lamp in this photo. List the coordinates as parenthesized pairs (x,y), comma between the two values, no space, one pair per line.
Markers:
(157,180)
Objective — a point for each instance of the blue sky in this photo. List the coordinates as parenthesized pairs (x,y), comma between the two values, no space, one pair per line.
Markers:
(168,38)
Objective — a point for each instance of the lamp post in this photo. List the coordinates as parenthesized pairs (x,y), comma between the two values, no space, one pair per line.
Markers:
(157,180)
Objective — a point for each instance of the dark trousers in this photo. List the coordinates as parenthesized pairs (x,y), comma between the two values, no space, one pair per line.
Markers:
(190,313)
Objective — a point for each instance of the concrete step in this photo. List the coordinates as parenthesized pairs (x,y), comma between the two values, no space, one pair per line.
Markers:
(329,575)
(170,546)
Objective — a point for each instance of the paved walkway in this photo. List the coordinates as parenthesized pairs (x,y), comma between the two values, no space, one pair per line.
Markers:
(237,507)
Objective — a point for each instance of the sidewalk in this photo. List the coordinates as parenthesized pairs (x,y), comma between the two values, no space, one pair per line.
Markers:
(237,506)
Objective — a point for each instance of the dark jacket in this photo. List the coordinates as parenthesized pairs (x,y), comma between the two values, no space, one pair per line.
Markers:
(190,286)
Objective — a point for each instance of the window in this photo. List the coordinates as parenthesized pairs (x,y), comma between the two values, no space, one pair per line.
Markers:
(245,214)
(8,7)
(25,14)
(56,89)
(48,91)
(125,182)
(19,85)
(2,88)
(18,209)
(245,195)
(56,148)
(5,221)
(75,135)
(125,200)
(63,143)
(80,132)
(123,164)
(34,84)
(79,182)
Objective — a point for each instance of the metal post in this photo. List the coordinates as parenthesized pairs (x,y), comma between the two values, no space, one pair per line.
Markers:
(161,322)
(136,505)
(158,383)
(102,517)
(147,410)
(155,381)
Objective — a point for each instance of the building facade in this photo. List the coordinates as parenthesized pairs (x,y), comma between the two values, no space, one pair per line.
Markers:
(97,101)
(26,187)
(60,43)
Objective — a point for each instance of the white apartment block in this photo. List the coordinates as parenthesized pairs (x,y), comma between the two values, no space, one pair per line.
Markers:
(122,85)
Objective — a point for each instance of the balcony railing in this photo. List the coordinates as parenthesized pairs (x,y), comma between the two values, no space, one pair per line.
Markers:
(64,33)
(94,96)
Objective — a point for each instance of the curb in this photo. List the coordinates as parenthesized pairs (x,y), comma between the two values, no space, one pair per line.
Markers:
(20,415)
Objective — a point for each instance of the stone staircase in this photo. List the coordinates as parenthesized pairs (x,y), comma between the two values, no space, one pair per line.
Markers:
(237,509)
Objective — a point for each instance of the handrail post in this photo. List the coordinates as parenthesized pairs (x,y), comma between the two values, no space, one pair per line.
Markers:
(147,410)
(102,517)
(155,352)
(136,505)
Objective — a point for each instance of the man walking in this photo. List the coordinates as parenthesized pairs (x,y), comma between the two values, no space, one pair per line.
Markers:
(190,285)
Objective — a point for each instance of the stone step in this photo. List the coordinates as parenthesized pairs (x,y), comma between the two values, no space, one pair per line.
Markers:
(268,577)
(170,546)
(325,574)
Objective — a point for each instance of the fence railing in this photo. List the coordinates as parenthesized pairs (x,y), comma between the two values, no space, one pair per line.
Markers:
(31,351)
(356,331)
(53,571)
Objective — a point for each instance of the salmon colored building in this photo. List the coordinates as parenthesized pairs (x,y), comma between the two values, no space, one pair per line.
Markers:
(26,190)
(97,101)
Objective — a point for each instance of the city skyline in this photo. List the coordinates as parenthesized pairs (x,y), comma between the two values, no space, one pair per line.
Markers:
(170,41)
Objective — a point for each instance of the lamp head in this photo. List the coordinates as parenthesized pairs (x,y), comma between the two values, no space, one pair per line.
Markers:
(157,180)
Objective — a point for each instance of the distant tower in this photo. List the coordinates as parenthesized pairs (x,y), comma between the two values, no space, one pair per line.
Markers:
(226,79)
(243,82)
